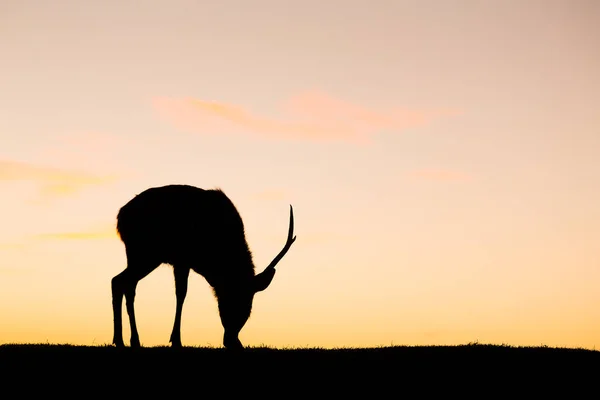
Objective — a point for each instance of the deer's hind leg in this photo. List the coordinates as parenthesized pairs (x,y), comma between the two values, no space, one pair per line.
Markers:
(124,284)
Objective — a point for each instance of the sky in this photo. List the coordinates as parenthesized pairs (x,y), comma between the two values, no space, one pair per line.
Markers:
(440,156)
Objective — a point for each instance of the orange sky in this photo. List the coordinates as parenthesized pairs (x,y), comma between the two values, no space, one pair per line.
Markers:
(441,158)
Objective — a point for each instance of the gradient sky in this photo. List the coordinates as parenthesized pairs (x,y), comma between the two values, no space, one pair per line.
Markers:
(441,158)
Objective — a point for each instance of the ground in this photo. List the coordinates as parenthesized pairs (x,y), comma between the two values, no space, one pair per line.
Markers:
(482,370)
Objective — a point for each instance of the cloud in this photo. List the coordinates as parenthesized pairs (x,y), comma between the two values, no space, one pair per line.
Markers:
(440,175)
(53,181)
(11,246)
(313,116)
(90,235)
(12,271)
(94,233)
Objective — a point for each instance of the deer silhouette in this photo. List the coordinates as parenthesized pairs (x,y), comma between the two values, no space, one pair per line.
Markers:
(189,228)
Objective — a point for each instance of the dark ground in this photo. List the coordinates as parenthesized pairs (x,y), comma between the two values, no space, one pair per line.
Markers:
(481,371)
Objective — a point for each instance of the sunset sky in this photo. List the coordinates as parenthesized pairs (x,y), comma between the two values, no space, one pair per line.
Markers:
(442,158)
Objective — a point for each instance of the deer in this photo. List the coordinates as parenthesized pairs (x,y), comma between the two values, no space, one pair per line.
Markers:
(189,228)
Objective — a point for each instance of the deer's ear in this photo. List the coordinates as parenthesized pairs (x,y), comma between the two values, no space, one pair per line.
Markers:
(263,280)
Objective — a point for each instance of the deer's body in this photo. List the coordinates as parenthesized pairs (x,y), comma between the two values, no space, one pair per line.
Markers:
(189,228)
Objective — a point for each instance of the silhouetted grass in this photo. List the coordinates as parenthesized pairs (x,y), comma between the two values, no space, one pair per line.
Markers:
(470,367)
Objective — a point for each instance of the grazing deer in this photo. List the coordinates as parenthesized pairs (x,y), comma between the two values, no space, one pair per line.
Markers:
(189,228)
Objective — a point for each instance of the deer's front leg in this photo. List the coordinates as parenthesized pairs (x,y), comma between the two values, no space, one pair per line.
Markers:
(181,285)
(117,303)
(231,341)
(129,303)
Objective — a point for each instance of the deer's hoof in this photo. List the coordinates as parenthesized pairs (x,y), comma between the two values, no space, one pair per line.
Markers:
(234,346)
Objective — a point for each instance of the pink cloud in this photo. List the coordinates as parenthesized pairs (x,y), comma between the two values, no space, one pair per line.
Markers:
(309,116)
(319,106)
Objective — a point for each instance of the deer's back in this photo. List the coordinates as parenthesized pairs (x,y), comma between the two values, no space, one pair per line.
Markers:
(180,220)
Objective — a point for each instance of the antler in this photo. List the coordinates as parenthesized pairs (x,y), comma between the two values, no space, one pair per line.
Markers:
(290,239)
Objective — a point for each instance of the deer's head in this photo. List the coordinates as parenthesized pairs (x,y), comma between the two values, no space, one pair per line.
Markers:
(235,301)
